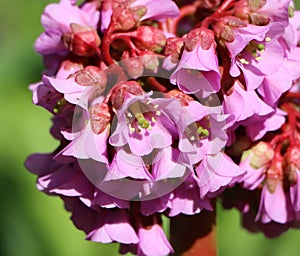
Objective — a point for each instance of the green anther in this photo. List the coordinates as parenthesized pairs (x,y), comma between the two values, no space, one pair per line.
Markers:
(141,121)
(202,131)
(55,110)
(145,124)
(260,47)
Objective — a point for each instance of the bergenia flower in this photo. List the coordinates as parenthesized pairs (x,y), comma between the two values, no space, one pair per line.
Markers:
(212,111)
(198,70)
(61,19)
(255,52)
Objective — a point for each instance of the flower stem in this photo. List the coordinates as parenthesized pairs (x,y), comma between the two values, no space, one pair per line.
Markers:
(194,235)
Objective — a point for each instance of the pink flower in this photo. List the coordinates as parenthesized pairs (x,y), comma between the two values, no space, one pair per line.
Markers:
(113,226)
(144,119)
(152,239)
(57,20)
(256,52)
(198,70)
(274,205)
(250,111)
(215,173)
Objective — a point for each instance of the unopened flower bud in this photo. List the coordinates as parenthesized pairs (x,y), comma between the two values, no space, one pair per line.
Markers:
(290,172)
(292,156)
(174,47)
(117,95)
(100,117)
(133,67)
(150,38)
(260,154)
(291,163)
(149,60)
(82,41)
(91,76)
(127,18)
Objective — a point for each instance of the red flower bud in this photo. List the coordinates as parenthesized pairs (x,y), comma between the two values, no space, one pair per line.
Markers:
(82,41)
(292,156)
(127,18)
(149,60)
(291,164)
(174,46)
(133,67)
(150,38)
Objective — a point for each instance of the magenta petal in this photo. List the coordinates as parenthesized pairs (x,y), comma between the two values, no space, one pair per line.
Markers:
(118,227)
(153,206)
(216,171)
(66,181)
(153,241)
(275,204)
(253,177)
(158,10)
(41,164)
(244,35)
(295,193)
(257,127)
(88,145)
(114,227)
(106,201)
(125,165)
(166,165)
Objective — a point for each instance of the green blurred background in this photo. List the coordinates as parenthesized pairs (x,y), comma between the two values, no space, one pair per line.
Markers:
(33,224)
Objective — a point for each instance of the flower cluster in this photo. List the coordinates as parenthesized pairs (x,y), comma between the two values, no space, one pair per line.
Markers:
(161,106)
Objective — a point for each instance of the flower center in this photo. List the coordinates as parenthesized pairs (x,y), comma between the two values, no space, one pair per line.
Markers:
(255,49)
(198,130)
(140,116)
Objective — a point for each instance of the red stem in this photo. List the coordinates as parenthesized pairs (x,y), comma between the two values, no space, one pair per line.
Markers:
(155,85)
(217,14)
(185,10)
(292,122)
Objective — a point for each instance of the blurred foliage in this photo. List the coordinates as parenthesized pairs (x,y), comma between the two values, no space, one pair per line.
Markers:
(31,223)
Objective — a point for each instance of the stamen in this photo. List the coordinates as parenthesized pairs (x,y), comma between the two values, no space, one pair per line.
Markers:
(268,39)
(158,113)
(202,131)
(136,110)
(243,61)
(131,129)
(153,119)
(260,47)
